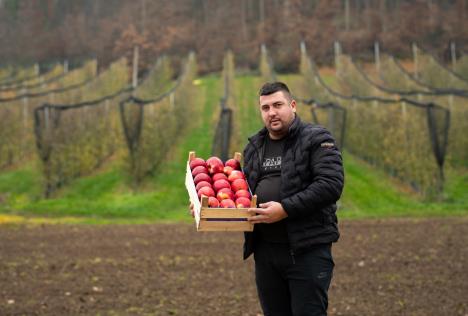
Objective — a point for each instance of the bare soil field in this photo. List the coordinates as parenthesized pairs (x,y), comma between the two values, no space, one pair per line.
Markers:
(383,267)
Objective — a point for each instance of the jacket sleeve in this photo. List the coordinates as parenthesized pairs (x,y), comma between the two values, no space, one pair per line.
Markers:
(327,178)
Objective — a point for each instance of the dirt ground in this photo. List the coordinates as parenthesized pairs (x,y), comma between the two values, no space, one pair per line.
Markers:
(392,267)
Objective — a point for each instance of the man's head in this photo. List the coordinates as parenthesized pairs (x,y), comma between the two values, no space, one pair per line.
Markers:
(277,107)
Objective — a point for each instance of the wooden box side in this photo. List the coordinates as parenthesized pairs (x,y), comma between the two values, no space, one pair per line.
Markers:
(190,186)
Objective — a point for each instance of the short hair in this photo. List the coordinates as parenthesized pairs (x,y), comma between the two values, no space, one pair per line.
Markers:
(272,87)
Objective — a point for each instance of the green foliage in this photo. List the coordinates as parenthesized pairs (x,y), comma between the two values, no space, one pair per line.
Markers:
(393,136)
(75,141)
(16,128)
(394,78)
(173,127)
(461,67)
(105,194)
(432,73)
(163,122)
(370,193)
(159,80)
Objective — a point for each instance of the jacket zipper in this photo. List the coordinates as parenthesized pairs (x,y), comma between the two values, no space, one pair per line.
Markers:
(292,256)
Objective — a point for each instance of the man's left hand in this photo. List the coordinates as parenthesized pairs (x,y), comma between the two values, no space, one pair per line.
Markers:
(269,212)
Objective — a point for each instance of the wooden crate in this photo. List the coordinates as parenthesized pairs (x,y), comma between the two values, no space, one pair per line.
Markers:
(216,219)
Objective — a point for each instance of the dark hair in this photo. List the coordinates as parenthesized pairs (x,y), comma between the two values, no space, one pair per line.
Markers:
(272,87)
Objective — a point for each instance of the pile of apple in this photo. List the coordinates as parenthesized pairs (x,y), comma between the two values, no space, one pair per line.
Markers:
(223,184)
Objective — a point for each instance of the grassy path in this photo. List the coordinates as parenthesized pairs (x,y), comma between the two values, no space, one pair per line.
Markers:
(246,88)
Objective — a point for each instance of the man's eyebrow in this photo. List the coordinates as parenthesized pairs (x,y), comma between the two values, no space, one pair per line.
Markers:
(276,102)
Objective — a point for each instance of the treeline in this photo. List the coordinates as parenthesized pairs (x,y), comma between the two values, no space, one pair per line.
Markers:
(50,30)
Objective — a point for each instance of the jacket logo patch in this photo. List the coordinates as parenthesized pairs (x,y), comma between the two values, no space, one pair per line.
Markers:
(327,145)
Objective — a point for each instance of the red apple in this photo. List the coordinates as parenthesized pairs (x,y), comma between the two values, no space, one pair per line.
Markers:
(198,170)
(202,184)
(227,170)
(215,165)
(225,193)
(207,191)
(242,202)
(242,193)
(218,185)
(213,202)
(236,174)
(239,184)
(202,177)
(227,203)
(233,163)
(218,176)
(197,162)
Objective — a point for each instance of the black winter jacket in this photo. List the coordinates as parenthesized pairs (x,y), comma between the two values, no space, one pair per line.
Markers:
(312,180)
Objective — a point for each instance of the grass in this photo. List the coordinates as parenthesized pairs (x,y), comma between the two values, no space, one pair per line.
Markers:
(370,193)
(106,197)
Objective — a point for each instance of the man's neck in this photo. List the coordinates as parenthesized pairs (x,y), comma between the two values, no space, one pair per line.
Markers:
(277,136)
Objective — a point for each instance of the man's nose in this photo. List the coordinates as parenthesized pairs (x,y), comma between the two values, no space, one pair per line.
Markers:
(272,112)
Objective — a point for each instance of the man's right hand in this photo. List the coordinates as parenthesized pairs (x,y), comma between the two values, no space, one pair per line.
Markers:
(192,210)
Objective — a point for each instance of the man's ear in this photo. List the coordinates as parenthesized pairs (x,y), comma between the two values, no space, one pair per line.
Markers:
(293,105)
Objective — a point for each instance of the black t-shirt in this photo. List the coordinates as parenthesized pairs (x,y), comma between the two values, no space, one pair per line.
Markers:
(268,189)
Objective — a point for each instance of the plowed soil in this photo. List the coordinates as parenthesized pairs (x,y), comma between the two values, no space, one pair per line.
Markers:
(391,267)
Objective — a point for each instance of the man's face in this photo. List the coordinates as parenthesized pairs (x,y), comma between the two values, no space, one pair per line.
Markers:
(277,113)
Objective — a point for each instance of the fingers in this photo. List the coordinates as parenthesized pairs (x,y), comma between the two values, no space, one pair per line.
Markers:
(256,219)
(255,211)
(192,209)
(265,205)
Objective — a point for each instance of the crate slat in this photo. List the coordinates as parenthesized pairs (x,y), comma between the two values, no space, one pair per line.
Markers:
(224,213)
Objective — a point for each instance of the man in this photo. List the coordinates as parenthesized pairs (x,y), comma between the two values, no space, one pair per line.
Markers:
(296,172)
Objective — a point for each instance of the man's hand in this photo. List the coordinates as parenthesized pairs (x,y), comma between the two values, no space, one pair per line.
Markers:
(269,212)
(192,210)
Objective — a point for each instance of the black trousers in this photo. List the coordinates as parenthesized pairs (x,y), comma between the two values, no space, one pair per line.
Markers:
(293,285)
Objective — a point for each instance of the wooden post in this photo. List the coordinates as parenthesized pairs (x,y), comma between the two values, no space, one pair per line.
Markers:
(106,107)
(46,118)
(415,60)
(172,100)
(377,56)
(135,67)
(25,108)
(453,54)
(65,66)
(25,123)
(403,109)
(96,68)
(303,48)
(337,49)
